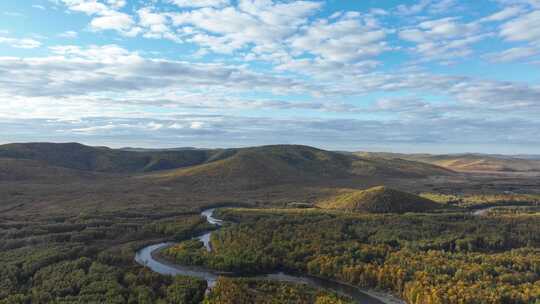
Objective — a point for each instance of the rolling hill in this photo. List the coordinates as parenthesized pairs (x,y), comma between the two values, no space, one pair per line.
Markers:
(467,162)
(267,165)
(243,167)
(284,164)
(379,200)
(101,159)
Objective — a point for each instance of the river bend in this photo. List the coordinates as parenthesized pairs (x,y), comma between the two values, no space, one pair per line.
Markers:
(148,256)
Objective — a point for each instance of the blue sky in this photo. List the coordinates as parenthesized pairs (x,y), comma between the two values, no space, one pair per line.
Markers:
(405,76)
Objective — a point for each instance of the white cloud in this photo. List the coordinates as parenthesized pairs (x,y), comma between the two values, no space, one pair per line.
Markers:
(505,14)
(117,3)
(531,3)
(514,54)
(69,34)
(13,14)
(105,16)
(264,24)
(90,7)
(413,9)
(120,22)
(154,126)
(155,25)
(523,28)
(76,71)
(95,129)
(25,43)
(446,28)
(196,125)
(348,39)
(445,38)
(400,104)
(429,6)
(200,3)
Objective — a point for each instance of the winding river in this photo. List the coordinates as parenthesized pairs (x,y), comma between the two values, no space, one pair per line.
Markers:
(148,256)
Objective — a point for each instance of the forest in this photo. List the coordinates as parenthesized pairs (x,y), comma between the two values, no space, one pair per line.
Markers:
(89,259)
(246,291)
(422,258)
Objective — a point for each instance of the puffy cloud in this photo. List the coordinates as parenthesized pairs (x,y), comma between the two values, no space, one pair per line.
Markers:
(445,38)
(105,15)
(90,7)
(265,24)
(155,25)
(349,38)
(429,6)
(114,21)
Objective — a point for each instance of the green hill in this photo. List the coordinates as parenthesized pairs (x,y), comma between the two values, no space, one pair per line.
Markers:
(379,200)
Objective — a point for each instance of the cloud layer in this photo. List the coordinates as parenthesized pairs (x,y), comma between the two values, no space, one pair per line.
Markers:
(219,72)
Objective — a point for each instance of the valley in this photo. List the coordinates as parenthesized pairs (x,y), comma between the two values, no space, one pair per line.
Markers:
(73,217)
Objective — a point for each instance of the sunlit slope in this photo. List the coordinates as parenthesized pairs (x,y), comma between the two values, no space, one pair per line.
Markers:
(267,165)
(396,167)
(466,162)
(379,200)
(283,164)
(484,163)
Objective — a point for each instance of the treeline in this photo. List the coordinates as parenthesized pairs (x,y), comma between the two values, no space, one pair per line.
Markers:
(87,281)
(452,258)
(249,291)
(484,200)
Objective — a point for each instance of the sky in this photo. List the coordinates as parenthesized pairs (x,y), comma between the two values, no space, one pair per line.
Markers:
(438,76)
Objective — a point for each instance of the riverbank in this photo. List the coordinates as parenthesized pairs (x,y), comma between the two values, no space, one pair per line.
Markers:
(153,258)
